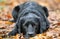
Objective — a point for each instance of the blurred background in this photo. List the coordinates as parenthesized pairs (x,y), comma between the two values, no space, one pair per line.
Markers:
(6,7)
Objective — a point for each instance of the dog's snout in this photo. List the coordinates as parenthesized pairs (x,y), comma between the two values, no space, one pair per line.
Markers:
(30,28)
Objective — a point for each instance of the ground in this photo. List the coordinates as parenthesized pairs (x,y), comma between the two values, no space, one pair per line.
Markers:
(53,6)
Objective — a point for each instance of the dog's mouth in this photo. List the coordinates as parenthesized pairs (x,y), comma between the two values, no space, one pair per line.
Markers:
(28,36)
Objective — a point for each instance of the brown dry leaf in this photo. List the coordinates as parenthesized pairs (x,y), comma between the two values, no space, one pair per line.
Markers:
(1,38)
(57,29)
(54,18)
(57,1)
(1,22)
(7,22)
(58,23)
(1,32)
(17,37)
(8,15)
(9,1)
(58,37)
(13,37)
(49,37)
(39,36)
(2,27)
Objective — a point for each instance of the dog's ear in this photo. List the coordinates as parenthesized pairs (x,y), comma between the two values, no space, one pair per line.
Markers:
(17,8)
(15,12)
(46,11)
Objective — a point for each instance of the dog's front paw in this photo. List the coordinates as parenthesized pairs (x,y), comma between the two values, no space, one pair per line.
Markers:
(12,33)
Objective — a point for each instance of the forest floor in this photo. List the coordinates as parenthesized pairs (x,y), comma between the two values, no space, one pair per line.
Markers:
(6,26)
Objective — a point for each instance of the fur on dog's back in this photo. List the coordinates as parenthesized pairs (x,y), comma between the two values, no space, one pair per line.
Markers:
(31,7)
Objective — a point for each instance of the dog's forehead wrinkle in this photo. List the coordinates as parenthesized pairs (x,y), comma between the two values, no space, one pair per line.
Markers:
(29,16)
(32,15)
(30,9)
(31,21)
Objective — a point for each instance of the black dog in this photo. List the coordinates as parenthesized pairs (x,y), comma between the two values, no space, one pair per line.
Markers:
(30,18)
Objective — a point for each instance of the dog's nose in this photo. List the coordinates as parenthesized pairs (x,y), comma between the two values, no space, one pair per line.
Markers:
(31,34)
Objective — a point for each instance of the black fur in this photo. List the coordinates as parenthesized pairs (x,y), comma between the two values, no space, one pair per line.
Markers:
(30,18)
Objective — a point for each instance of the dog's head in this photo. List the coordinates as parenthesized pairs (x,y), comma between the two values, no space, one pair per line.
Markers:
(33,22)
(30,24)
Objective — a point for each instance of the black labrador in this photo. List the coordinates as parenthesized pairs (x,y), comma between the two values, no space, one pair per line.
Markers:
(30,18)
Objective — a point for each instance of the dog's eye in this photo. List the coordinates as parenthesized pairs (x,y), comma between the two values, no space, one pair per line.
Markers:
(25,24)
(33,24)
